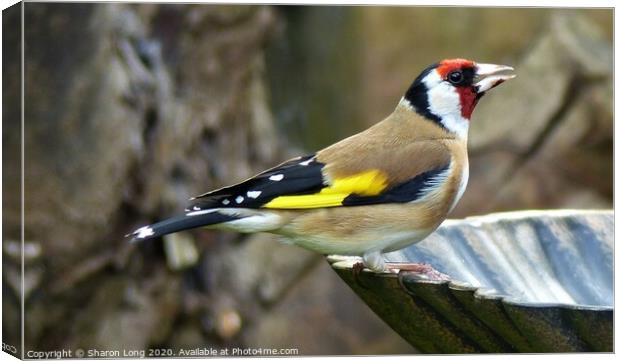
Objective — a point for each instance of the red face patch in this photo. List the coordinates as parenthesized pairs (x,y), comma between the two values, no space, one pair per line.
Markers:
(469,99)
(448,65)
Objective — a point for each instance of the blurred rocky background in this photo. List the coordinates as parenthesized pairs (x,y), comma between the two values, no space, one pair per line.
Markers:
(132,109)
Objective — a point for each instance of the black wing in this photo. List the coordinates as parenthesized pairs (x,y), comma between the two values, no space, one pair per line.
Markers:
(301,175)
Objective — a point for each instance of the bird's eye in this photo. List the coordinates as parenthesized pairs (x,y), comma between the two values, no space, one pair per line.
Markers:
(455,77)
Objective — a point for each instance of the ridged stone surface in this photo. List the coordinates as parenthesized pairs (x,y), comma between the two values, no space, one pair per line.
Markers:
(531,281)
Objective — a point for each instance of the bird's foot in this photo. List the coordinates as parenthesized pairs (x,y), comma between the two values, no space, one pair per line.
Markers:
(424,270)
(357,269)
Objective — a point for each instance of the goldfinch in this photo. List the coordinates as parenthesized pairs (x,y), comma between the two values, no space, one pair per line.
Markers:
(377,191)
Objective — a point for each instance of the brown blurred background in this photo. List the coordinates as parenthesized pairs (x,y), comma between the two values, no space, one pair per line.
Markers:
(132,109)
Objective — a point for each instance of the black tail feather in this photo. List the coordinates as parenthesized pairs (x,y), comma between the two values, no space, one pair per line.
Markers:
(180,223)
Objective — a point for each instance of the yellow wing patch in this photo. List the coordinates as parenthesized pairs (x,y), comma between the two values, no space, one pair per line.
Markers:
(368,183)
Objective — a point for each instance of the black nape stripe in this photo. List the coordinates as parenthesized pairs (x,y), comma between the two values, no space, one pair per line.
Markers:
(417,95)
(402,193)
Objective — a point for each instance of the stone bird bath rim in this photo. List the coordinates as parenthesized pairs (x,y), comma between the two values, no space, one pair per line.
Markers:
(527,281)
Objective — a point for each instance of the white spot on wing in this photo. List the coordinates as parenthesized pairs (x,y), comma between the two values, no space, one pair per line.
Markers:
(144,232)
(226,202)
(254,194)
(239,199)
(276,177)
(196,208)
(306,162)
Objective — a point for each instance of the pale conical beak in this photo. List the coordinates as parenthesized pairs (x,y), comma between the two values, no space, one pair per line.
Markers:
(489,76)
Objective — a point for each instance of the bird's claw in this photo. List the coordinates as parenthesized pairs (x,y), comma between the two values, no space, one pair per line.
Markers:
(357,269)
(421,270)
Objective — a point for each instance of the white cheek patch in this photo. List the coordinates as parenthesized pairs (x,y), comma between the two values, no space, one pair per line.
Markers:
(445,102)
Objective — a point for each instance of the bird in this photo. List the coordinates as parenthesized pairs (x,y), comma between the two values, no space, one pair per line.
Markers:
(374,192)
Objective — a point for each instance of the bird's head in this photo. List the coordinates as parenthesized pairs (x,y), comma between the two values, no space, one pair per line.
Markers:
(447,92)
